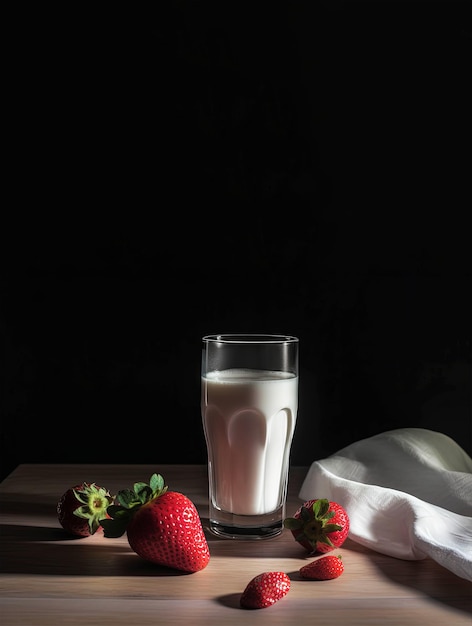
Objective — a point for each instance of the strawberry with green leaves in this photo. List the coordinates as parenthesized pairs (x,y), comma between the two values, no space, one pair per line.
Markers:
(264,590)
(319,525)
(162,526)
(325,568)
(82,507)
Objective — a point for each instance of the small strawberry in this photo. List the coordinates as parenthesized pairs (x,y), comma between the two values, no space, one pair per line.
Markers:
(324,568)
(319,525)
(162,526)
(265,590)
(81,509)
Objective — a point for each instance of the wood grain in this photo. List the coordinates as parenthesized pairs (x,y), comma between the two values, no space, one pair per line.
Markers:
(47,578)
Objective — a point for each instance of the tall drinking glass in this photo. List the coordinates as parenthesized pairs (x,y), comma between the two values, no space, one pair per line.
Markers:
(249,410)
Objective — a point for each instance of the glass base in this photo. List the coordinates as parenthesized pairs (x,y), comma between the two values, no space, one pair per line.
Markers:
(246,532)
(232,526)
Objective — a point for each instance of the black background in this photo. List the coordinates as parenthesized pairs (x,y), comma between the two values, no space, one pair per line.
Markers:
(301,169)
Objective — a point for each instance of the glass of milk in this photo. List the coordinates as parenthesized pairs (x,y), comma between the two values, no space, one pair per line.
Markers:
(249,409)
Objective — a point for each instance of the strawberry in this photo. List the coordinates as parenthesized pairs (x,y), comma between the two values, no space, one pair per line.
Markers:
(162,526)
(81,508)
(265,590)
(319,525)
(324,568)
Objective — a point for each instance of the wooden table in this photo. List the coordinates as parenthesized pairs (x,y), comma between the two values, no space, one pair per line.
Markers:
(48,579)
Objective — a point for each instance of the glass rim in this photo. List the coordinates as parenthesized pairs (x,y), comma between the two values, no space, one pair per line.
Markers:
(249,338)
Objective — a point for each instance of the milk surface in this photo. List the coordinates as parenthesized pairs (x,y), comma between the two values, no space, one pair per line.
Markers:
(249,419)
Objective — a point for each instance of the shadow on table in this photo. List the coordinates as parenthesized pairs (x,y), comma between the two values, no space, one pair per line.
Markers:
(35,506)
(430,579)
(53,552)
(230,600)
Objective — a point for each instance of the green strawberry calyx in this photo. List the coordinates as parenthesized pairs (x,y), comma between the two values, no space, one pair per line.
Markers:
(130,501)
(314,524)
(94,502)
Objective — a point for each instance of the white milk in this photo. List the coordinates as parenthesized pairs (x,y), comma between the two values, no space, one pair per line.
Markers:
(249,419)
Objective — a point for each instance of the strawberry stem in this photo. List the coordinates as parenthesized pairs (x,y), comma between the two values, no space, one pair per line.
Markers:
(314,524)
(130,501)
(95,501)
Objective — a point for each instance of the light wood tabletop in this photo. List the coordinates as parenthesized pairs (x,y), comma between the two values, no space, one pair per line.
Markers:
(47,578)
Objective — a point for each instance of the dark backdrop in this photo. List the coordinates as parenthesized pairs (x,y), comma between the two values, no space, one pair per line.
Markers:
(212,168)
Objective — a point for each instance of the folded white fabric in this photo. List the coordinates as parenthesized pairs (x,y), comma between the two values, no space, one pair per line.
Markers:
(408,494)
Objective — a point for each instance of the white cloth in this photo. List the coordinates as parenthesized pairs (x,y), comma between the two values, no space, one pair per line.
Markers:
(408,494)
